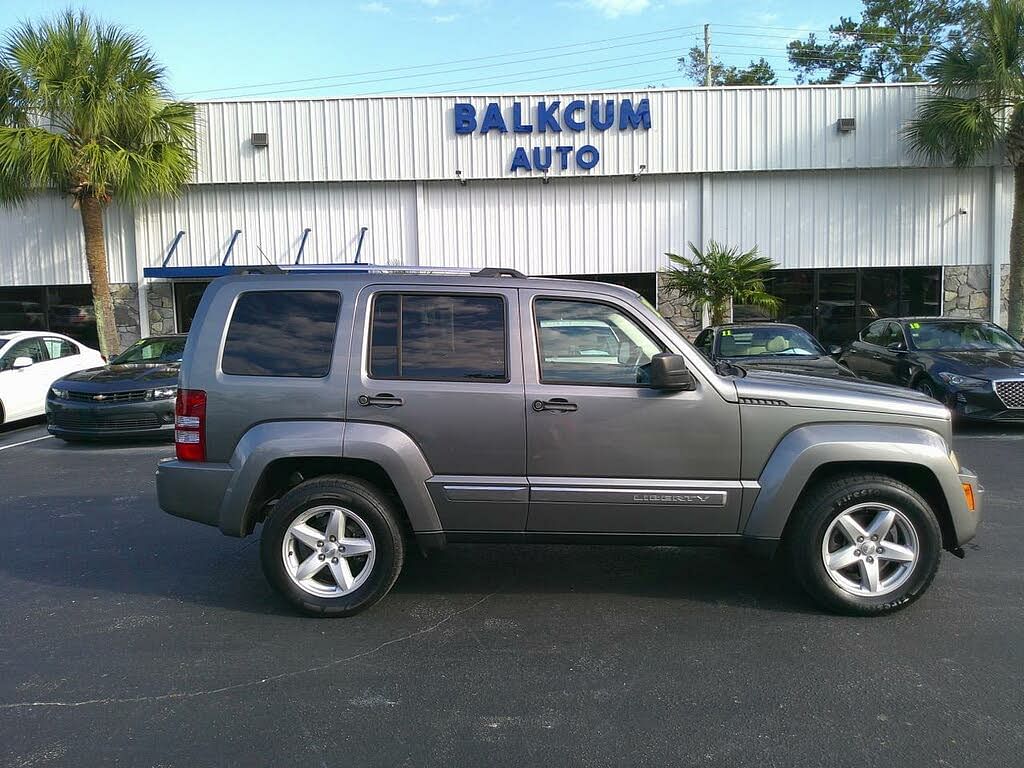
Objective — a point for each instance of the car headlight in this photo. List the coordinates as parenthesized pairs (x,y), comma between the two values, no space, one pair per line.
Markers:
(964,382)
(163,393)
(60,394)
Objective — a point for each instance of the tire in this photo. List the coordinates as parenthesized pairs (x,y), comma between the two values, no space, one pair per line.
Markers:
(822,525)
(925,387)
(369,518)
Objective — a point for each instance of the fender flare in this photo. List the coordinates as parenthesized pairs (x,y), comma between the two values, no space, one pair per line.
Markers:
(398,455)
(264,444)
(806,449)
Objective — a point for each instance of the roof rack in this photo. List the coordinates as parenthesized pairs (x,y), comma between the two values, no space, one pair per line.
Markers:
(399,269)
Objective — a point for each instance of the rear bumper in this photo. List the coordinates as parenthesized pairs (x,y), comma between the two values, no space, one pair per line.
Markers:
(192,490)
(148,419)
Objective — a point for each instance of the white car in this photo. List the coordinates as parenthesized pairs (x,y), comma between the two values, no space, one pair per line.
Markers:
(30,361)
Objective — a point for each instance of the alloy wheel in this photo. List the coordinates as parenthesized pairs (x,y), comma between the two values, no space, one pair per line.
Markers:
(328,551)
(870,549)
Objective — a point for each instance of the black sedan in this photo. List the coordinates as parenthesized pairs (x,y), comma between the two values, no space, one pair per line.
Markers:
(974,367)
(133,396)
(770,346)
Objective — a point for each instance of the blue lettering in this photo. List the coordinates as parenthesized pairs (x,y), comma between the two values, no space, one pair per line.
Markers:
(592,156)
(546,117)
(492,119)
(634,118)
(518,125)
(572,122)
(538,164)
(520,160)
(465,118)
(609,115)
(563,153)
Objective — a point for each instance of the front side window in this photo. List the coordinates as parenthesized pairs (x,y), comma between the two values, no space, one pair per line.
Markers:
(584,342)
(282,333)
(704,342)
(30,348)
(873,334)
(438,337)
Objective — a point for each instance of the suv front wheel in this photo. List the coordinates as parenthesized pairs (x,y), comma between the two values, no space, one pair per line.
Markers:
(332,546)
(864,544)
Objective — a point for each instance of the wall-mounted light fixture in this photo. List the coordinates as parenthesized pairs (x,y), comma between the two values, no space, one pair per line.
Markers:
(544,179)
(639,171)
(846,124)
(458,177)
(259,141)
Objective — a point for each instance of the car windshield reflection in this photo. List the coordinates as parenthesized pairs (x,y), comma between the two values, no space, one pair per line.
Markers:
(958,335)
(768,341)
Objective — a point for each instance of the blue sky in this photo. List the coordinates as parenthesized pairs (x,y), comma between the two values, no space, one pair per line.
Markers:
(229,49)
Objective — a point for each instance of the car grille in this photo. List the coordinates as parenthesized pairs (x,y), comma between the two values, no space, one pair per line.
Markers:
(101,422)
(1011,392)
(133,396)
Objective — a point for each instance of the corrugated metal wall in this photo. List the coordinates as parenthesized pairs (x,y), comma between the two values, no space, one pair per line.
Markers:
(904,217)
(272,218)
(692,130)
(584,226)
(41,243)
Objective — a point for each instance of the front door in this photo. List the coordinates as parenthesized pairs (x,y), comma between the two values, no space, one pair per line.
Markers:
(444,367)
(606,453)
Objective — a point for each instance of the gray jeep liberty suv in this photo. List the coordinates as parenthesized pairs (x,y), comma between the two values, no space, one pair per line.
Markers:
(351,411)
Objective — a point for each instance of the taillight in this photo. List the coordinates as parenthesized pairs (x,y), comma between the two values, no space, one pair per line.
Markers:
(190,425)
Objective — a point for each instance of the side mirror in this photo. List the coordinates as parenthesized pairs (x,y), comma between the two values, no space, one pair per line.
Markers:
(21,363)
(669,371)
(834,350)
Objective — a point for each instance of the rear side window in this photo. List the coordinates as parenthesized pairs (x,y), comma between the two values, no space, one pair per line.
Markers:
(282,333)
(438,337)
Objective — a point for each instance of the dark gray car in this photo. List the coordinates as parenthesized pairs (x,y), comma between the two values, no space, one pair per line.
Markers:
(354,412)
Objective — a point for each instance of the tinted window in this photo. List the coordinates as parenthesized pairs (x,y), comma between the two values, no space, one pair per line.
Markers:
(769,340)
(60,348)
(938,334)
(703,342)
(31,348)
(873,333)
(282,333)
(153,351)
(438,337)
(584,342)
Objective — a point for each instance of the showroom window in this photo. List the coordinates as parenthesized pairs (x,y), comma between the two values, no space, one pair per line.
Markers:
(63,309)
(835,304)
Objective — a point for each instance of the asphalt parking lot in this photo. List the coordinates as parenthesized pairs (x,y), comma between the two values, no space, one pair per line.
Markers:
(128,637)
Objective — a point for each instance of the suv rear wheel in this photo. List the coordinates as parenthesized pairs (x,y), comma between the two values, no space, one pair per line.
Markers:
(332,546)
(864,544)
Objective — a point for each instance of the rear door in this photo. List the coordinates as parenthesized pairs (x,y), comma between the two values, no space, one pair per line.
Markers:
(444,365)
(606,453)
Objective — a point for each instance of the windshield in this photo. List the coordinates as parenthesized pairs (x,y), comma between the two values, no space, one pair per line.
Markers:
(768,341)
(959,335)
(152,351)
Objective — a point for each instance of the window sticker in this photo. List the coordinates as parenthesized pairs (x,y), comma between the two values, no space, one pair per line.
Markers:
(727,332)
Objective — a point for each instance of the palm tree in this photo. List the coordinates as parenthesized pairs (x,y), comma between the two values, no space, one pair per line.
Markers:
(978,107)
(720,275)
(84,112)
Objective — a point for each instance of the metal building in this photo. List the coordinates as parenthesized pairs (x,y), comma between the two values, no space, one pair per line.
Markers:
(598,184)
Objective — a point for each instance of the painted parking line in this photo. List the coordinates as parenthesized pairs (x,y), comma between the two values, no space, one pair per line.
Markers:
(25,442)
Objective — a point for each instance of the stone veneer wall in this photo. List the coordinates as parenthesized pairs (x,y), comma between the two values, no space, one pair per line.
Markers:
(675,307)
(126,312)
(967,291)
(160,301)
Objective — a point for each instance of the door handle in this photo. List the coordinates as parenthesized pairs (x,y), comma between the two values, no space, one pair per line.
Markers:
(556,404)
(383,400)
